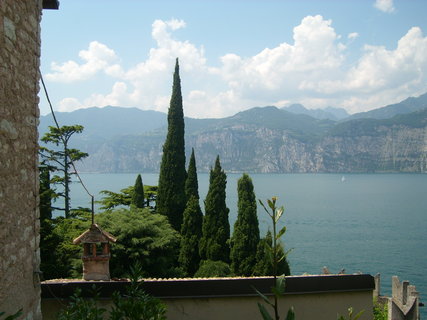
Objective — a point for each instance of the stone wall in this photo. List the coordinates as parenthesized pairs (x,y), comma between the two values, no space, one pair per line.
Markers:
(19,113)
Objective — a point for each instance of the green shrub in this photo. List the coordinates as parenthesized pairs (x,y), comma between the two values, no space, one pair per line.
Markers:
(212,269)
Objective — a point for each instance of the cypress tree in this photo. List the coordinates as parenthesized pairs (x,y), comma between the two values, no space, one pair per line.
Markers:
(245,239)
(264,264)
(216,227)
(191,230)
(138,200)
(191,183)
(171,198)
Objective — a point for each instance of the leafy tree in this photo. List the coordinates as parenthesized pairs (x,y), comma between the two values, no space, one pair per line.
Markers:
(60,159)
(214,244)
(213,269)
(138,193)
(142,237)
(112,199)
(171,198)
(245,239)
(59,258)
(191,232)
(62,257)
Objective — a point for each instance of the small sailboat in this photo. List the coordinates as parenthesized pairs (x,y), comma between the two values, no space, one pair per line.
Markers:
(342,179)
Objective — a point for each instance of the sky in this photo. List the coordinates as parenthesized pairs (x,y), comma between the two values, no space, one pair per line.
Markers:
(233,54)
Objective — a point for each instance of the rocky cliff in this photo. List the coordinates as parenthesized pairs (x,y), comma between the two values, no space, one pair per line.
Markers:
(364,145)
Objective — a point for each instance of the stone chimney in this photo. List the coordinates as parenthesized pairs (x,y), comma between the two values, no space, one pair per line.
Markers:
(96,253)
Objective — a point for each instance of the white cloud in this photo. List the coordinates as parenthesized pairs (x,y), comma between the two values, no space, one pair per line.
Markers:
(311,70)
(69,104)
(98,57)
(278,72)
(353,35)
(384,5)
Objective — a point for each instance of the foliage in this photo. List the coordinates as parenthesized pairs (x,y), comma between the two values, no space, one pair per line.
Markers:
(245,239)
(14,316)
(142,237)
(60,159)
(171,198)
(191,232)
(191,229)
(380,311)
(273,252)
(46,194)
(350,315)
(191,183)
(49,240)
(213,269)
(59,257)
(138,199)
(264,265)
(214,244)
(136,304)
(66,254)
(81,308)
(51,263)
(112,199)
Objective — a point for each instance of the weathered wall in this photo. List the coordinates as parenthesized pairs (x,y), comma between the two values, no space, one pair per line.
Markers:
(19,226)
(319,306)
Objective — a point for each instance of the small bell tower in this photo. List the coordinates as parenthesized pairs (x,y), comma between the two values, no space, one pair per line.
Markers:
(96,253)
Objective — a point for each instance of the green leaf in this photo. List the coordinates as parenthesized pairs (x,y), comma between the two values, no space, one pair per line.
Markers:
(281,233)
(279,212)
(270,204)
(357,316)
(291,314)
(280,283)
(263,297)
(264,312)
(262,204)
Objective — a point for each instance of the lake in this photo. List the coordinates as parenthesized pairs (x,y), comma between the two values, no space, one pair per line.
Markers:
(372,223)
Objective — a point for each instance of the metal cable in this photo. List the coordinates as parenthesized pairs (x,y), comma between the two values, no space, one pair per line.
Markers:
(71,160)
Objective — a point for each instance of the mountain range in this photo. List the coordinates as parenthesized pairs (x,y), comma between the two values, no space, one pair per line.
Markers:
(261,139)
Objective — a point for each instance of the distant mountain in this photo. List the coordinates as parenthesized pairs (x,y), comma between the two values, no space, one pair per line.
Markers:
(109,121)
(327,113)
(262,139)
(406,106)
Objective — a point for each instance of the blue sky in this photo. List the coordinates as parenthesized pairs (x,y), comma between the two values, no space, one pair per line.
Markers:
(234,55)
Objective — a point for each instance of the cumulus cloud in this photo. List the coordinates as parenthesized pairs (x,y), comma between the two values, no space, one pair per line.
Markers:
(384,5)
(353,35)
(98,57)
(312,69)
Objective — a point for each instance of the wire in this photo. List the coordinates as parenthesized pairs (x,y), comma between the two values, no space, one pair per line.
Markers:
(62,138)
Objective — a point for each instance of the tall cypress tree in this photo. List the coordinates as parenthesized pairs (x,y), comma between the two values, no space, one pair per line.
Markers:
(138,200)
(191,231)
(245,239)
(171,198)
(216,227)
(191,183)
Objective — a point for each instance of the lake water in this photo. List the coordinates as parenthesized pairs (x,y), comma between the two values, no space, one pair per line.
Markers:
(372,223)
